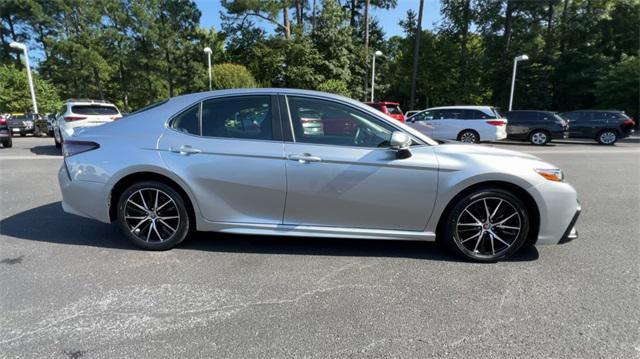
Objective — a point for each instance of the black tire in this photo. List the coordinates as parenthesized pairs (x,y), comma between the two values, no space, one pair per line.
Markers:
(55,140)
(7,143)
(469,136)
(456,225)
(607,137)
(539,137)
(182,226)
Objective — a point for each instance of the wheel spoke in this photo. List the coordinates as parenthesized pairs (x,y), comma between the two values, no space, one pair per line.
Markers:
(149,231)
(506,219)
(500,239)
(493,250)
(472,237)
(475,249)
(155,229)
(135,217)
(508,227)
(162,205)
(137,205)
(474,217)
(173,230)
(139,224)
(470,224)
(143,201)
(168,217)
(155,206)
(495,210)
(486,209)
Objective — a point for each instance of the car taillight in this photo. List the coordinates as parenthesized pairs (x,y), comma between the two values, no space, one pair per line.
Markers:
(74,118)
(70,148)
(497,122)
(629,122)
(116,117)
(3,121)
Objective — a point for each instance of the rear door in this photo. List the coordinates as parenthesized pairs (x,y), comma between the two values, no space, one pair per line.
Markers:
(229,151)
(579,123)
(447,124)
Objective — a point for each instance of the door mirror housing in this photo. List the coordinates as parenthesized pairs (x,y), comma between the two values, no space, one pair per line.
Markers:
(401,142)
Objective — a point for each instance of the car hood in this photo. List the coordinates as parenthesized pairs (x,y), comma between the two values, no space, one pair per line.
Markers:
(478,150)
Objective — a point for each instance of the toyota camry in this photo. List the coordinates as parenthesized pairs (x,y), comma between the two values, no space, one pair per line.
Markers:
(302,163)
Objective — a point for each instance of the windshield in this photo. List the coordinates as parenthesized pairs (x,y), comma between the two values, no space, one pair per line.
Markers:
(394,109)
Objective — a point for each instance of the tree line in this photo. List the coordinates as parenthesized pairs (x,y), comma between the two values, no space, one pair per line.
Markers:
(583,53)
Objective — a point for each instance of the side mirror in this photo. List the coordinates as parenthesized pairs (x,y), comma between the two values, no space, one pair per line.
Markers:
(401,142)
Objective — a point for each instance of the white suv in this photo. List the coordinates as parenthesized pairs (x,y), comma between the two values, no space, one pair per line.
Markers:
(462,123)
(76,114)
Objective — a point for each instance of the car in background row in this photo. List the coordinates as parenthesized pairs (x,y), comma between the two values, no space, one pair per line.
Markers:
(604,126)
(470,124)
(23,124)
(5,133)
(77,114)
(537,127)
(411,113)
(391,109)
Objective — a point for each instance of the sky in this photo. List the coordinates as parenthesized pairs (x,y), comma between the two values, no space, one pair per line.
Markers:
(388,18)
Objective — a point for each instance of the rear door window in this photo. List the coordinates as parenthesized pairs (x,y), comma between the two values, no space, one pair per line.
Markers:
(94,110)
(188,121)
(247,117)
(476,115)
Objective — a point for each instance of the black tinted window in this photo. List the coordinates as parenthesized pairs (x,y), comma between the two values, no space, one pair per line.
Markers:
(528,116)
(475,114)
(394,109)
(247,117)
(188,121)
(94,110)
(331,123)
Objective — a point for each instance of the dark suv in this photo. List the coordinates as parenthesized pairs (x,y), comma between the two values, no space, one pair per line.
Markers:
(538,127)
(604,126)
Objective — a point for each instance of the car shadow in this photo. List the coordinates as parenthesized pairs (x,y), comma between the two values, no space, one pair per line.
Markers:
(48,223)
(45,150)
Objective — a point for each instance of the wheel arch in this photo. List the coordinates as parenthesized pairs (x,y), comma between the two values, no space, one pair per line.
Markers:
(123,183)
(518,191)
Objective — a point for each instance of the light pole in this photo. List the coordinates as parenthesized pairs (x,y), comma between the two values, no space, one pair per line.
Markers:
(373,72)
(513,77)
(208,51)
(23,47)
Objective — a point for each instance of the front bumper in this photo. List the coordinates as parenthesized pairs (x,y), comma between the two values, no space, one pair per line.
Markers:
(571,233)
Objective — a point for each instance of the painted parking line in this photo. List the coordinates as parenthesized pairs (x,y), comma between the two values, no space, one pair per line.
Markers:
(29,157)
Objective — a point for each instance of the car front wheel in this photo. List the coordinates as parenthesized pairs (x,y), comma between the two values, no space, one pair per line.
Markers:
(153,215)
(486,225)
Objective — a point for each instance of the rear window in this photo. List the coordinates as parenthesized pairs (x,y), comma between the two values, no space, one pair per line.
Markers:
(94,110)
(394,110)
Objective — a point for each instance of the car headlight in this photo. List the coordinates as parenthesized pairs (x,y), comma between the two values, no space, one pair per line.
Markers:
(552,174)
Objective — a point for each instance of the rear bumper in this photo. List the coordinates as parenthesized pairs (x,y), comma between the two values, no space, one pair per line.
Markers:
(83,198)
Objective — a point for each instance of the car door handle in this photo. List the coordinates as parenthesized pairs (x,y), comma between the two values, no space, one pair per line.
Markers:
(185,150)
(304,158)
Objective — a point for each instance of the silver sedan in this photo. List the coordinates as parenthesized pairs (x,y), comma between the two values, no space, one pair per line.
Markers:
(302,163)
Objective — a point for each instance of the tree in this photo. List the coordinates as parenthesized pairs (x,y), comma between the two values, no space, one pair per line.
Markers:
(230,76)
(335,86)
(619,88)
(240,11)
(15,95)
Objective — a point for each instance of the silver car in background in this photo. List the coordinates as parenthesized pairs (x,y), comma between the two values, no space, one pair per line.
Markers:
(303,163)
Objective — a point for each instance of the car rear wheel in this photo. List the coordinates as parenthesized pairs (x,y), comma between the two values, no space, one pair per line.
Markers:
(7,143)
(607,137)
(153,215)
(486,225)
(469,136)
(57,138)
(539,137)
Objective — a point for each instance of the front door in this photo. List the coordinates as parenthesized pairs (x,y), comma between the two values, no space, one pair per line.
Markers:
(345,175)
(227,152)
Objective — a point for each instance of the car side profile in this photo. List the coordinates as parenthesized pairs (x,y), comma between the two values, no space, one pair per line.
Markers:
(470,124)
(80,113)
(537,127)
(243,161)
(604,126)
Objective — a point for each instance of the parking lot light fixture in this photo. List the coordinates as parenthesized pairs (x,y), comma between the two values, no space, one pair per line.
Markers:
(208,51)
(513,76)
(373,72)
(22,47)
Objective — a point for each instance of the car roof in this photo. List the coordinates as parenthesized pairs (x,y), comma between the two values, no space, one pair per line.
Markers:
(546,111)
(88,102)
(594,111)
(383,103)
(469,107)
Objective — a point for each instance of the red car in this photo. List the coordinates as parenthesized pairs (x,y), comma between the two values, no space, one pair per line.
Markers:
(389,108)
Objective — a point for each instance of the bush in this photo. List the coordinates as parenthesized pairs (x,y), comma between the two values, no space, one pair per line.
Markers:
(337,87)
(16,97)
(229,76)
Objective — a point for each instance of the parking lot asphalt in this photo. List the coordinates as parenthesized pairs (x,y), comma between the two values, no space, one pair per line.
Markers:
(73,288)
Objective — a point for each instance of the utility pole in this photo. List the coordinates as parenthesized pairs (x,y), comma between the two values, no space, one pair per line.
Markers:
(416,55)
(366,44)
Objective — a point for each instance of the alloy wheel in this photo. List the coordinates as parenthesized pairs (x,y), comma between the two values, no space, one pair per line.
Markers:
(487,227)
(607,137)
(468,137)
(539,138)
(151,215)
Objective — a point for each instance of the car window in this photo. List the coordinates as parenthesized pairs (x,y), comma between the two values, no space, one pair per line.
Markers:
(528,116)
(423,116)
(475,114)
(188,121)
(512,116)
(336,124)
(394,109)
(94,110)
(447,114)
(247,117)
